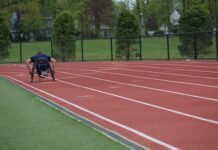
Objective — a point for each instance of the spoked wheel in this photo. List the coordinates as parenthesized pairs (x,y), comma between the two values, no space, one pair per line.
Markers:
(32,73)
(52,73)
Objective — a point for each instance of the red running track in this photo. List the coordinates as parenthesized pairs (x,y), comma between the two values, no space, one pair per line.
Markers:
(156,104)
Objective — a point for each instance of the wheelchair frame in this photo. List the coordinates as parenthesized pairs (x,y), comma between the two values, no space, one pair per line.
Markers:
(34,70)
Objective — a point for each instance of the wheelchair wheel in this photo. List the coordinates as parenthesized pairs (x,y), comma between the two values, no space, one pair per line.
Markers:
(32,73)
(52,73)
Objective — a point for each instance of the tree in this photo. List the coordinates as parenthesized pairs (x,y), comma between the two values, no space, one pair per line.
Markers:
(91,14)
(195,19)
(186,4)
(127,32)
(28,16)
(7,8)
(4,39)
(120,5)
(50,8)
(156,13)
(79,10)
(100,11)
(64,37)
(211,4)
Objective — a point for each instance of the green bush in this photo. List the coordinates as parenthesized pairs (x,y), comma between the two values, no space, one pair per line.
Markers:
(195,19)
(127,32)
(64,37)
(4,39)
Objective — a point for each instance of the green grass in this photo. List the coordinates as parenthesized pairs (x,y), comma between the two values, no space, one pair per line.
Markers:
(100,49)
(154,48)
(28,49)
(28,124)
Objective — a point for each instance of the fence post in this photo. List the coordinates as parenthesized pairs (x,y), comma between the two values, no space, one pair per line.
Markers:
(82,48)
(21,54)
(140,47)
(217,44)
(168,47)
(111,43)
(52,53)
(195,47)
(216,14)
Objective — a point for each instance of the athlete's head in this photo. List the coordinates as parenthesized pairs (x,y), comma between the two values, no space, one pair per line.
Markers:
(39,52)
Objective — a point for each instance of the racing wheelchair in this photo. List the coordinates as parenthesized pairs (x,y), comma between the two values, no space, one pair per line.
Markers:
(42,68)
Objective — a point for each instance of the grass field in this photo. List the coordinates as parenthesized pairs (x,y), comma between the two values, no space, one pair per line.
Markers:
(100,49)
(28,124)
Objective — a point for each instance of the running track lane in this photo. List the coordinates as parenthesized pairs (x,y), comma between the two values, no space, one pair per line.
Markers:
(144,119)
(155,96)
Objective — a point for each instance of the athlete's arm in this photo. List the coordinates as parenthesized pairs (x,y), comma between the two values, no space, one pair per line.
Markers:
(53,62)
(28,62)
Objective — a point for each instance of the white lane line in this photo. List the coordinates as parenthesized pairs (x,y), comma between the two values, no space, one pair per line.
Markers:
(14,71)
(149,78)
(166,68)
(164,144)
(140,102)
(196,64)
(143,103)
(193,65)
(174,74)
(145,87)
(167,73)
(75,117)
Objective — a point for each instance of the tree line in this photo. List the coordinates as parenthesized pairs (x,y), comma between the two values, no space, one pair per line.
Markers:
(125,18)
(33,15)
(89,15)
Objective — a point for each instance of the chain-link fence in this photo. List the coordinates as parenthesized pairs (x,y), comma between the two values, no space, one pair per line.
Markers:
(201,45)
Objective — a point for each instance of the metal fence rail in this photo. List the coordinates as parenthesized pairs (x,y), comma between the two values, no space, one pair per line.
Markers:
(157,47)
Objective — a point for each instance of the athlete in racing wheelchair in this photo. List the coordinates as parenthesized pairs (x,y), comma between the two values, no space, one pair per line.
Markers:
(41,64)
